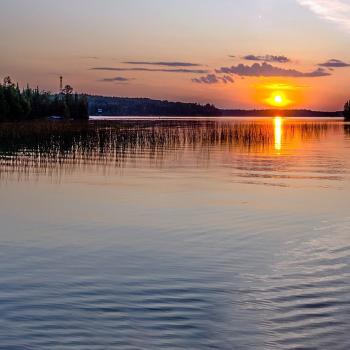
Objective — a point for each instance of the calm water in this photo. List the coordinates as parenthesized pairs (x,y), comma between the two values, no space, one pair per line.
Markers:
(175,234)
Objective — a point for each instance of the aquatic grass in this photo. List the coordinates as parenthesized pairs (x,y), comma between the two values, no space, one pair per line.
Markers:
(46,146)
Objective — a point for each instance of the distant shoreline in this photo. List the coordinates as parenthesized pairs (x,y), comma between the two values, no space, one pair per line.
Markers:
(281,112)
(105,106)
(164,118)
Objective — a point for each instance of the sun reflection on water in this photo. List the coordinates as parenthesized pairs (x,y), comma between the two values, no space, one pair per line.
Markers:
(278,133)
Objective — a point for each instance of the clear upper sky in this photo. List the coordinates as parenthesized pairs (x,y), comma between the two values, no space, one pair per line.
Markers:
(234,53)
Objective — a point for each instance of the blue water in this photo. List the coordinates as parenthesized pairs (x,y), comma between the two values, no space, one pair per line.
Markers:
(230,234)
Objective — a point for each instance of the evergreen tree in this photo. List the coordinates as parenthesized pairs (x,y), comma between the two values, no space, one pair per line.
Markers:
(4,108)
(32,104)
(347,110)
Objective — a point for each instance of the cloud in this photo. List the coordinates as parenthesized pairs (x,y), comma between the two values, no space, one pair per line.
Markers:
(213,79)
(267,58)
(139,69)
(267,70)
(337,11)
(164,64)
(283,87)
(333,63)
(89,57)
(116,79)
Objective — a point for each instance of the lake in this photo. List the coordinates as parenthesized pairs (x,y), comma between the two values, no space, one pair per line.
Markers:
(175,234)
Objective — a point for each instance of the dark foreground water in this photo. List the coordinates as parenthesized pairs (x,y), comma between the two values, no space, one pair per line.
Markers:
(163,234)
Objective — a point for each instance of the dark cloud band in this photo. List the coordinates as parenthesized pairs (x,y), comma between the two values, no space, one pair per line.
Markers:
(139,69)
(213,79)
(267,58)
(333,63)
(116,79)
(164,64)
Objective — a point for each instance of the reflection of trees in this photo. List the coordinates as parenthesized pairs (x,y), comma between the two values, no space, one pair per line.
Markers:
(347,129)
(48,146)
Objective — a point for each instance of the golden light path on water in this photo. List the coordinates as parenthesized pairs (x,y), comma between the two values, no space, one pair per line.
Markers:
(278,121)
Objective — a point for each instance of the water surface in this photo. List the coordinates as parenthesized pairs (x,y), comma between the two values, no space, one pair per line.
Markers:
(175,234)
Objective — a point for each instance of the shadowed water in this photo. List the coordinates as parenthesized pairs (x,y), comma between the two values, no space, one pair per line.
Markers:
(175,234)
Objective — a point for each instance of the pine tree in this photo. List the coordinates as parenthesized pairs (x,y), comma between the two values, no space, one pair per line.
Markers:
(347,110)
(4,108)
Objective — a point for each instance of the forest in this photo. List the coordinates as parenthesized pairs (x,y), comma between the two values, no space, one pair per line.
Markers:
(28,103)
(119,106)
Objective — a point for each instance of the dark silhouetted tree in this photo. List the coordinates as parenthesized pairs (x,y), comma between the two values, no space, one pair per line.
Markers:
(67,90)
(33,103)
(347,110)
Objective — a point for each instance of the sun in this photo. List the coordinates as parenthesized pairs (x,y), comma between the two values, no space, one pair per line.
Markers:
(278,99)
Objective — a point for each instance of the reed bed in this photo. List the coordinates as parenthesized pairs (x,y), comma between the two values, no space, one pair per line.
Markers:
(45,145)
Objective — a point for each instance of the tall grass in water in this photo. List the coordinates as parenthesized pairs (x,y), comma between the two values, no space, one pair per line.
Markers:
(46,146)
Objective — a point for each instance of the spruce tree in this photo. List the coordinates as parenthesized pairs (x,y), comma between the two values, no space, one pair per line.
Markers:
(347,110)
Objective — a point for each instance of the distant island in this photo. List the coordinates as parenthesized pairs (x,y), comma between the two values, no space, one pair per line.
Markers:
(29,104)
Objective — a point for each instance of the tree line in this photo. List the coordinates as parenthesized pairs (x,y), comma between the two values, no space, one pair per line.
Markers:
(123,106)
(28,103)
(347,110)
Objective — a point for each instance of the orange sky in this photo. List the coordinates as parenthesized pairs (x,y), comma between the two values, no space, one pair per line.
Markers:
(235,54)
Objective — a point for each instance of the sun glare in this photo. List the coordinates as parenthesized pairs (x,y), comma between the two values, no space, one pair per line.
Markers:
(278,99)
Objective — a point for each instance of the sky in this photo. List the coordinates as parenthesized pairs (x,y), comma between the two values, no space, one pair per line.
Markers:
(232,53)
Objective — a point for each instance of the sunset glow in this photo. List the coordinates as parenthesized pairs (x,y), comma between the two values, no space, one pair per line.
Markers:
(278,99)
(183,56)
(174,174)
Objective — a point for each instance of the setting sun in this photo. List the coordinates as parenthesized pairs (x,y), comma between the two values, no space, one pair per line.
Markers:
(278,99)
(278,94)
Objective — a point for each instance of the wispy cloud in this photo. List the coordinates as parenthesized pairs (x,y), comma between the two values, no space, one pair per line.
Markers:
(283,87)
(89,57)
(116,79)
(140,69)
(333,63)
(213,79)
(337,11)
(164,64)
(267,58)
(268,70)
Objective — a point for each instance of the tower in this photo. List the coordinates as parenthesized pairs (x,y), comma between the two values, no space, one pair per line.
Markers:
(61,83)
